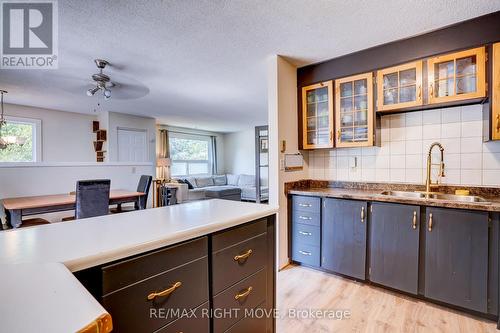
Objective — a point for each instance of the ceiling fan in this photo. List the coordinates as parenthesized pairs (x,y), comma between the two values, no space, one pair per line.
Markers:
(103,82)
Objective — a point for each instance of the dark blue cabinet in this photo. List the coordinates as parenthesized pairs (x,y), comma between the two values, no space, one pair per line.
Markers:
(394,246)
(306,230)
(456,257)
(343,237)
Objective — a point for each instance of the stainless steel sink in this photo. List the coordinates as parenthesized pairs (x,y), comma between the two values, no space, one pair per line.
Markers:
(404,194)
(437,196)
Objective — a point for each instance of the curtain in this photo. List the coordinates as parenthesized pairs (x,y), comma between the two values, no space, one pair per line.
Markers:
(164,147)
(214,155)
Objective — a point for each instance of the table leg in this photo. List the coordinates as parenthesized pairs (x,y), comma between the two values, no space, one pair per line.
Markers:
(14,217)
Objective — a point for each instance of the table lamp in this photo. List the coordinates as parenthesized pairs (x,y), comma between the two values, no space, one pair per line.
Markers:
(163,162)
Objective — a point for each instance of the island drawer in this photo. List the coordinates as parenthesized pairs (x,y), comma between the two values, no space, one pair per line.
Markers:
(247,294)
(306,218)
(306,254)
(255,321)
(184,287)
(306,204)
(224,239)
(306,234)
(239,261)
(126,272)
(196,322)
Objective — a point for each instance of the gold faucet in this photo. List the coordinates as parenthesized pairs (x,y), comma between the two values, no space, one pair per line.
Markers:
(428,180)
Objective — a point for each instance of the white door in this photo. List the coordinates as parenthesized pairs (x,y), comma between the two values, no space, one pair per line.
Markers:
(132,145)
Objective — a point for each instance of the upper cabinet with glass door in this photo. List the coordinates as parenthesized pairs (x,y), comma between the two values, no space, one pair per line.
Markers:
(457,76)
(399,87)
(317,114)
(354,122)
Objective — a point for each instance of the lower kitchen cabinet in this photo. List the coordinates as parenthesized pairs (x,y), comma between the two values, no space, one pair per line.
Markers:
(456,257)
(343,237)
(394,246)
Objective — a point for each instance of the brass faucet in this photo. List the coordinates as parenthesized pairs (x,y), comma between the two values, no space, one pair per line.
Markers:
(428,180)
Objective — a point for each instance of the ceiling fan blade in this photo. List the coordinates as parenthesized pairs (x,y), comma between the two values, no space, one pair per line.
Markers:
(128,91)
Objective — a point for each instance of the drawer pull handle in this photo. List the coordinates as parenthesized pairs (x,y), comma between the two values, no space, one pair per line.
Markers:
(243,256)
(305,253)
(498,123)
(165,292)
(414,225)
(304,205)
(430,222)
(243,294)
(305,233)
(362,214)
(305,217)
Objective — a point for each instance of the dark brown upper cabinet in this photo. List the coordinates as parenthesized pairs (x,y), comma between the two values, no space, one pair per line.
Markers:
(399,87)
(317,115)
(457,76)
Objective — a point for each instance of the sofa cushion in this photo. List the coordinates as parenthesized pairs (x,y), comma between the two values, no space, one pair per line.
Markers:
(190,183)
(246,180)
(220,180)
(204,181)
(221,191)
(232,179)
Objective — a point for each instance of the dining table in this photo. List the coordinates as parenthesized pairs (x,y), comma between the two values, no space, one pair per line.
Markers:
(16,208)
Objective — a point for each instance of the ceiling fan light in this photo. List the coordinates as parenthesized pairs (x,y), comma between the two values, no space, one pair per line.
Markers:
(107,93)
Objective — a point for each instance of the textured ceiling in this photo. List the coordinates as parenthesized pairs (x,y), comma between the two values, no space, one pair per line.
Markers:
(204,62)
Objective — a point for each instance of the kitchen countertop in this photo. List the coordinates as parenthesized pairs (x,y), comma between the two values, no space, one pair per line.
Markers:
(375,195)
(42,292)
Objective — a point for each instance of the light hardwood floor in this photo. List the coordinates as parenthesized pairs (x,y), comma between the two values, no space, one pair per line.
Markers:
(372,309)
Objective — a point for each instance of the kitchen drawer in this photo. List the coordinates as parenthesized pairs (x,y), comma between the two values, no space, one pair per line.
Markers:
(306,204)
(306,254)
(126,272)
(227,299)
(198,323)
(130,308)
(236,235)
(306,234)
(306,218)
(227,270)
(256,323)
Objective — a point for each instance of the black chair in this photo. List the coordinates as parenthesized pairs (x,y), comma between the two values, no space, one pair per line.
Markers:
(143,186)
(92,198)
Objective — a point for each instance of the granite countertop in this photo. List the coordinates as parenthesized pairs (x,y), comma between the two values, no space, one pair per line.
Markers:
(371,194)
(37,263)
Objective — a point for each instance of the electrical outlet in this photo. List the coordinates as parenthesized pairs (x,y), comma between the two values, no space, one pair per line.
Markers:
(134,170)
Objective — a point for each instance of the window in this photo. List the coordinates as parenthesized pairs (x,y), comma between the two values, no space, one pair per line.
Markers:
(190,154)
(20,140)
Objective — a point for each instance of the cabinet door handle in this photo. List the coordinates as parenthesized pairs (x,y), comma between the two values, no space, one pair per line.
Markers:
(165,292)
(243,256)
(243,294)
(338,134)
(305,233)
(305,217)
(305,253)
(431,91)
(419,92)
(304,205)
(498,123)
(430,222)
(414,225)
(362,214)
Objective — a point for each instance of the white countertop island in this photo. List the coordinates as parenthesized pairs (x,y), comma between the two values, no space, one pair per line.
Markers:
(38,289)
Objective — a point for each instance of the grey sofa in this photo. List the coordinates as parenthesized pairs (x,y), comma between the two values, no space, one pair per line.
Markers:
(224,186)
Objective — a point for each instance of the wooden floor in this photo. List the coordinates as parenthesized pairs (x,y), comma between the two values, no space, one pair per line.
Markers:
(372,309)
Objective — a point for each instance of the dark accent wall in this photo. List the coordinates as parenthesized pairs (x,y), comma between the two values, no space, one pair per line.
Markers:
(467,34)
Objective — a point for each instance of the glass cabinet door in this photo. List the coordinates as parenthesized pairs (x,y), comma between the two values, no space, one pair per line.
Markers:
(317,113)
(495,93)
(457,76)
(399,87)
(354,111)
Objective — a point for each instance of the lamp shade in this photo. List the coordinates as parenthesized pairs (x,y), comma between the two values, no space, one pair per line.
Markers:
(163,162)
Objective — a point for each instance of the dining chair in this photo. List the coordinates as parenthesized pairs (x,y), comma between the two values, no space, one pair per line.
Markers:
(92,198)
(33,222)
(143,186)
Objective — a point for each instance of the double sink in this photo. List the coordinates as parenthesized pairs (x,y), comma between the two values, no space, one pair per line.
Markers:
(437,196)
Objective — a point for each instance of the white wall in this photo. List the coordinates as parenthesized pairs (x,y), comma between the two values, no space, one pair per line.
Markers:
(66,136)
(239,152)
(282,113)
(406,138)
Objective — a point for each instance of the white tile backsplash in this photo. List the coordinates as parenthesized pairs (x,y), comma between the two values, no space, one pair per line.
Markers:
(402,155)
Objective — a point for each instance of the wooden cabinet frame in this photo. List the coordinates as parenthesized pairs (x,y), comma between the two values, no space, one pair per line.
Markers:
(480,75)
(495,93)
(417,65)
(328,84)
(370,111)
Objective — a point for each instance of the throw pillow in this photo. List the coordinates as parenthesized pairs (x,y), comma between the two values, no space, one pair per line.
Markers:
(220,180)
(189,184)
(204,181)
(232,179)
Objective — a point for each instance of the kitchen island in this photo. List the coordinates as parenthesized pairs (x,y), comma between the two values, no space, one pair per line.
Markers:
(65,277)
